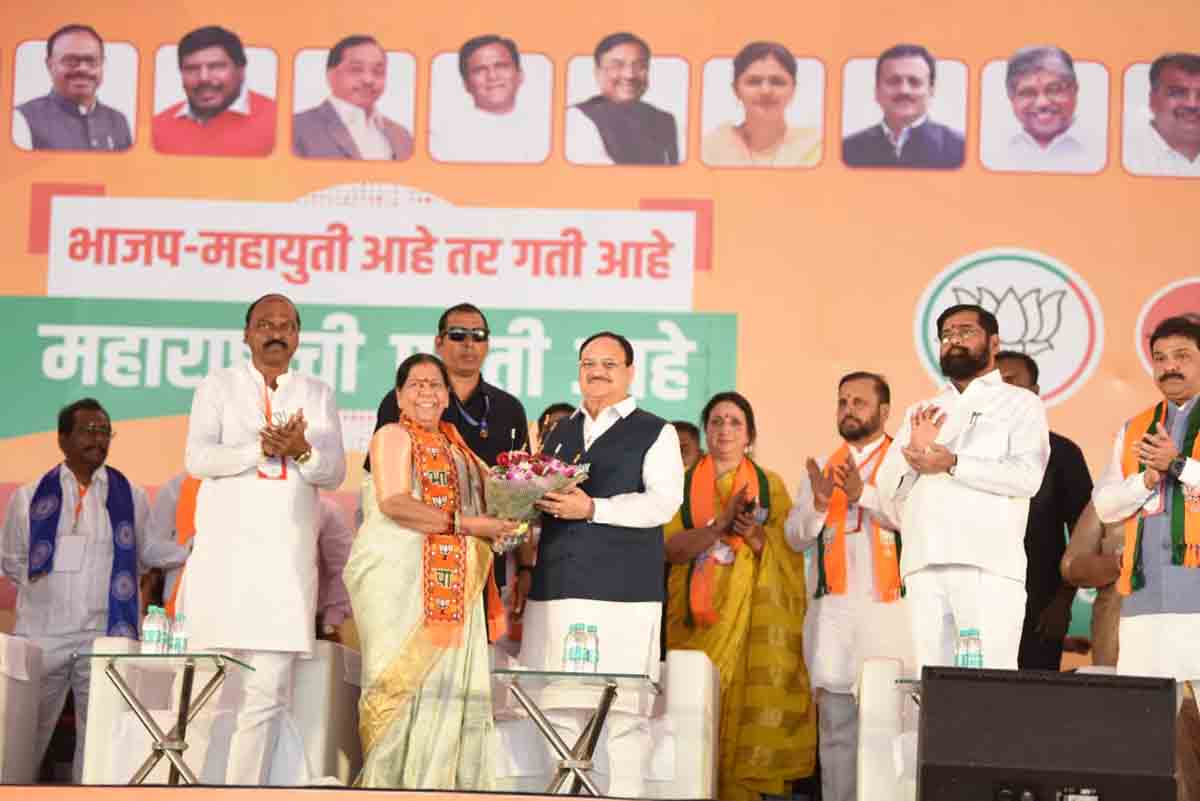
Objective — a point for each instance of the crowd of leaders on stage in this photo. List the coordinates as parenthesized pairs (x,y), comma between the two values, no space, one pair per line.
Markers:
(678,538)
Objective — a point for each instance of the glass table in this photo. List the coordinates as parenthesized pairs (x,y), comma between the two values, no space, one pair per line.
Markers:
(173,743)
(574,762)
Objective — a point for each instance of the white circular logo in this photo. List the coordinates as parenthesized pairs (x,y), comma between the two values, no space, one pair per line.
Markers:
(40,555)
(44,508)
(1044,308)
(123,586)
(124,535)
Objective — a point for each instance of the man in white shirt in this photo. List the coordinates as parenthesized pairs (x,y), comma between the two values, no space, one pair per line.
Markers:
(263,438)
(600,556)
(1152,487)
(348,125)
(959,482)
(74,543)
(1169,142)
(857,611)
(1044,92)
(492,120)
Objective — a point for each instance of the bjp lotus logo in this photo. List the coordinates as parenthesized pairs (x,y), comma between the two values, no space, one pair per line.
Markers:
(1044,308)
(1028,322)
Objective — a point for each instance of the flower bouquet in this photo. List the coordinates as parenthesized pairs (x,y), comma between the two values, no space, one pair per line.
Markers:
(519,480)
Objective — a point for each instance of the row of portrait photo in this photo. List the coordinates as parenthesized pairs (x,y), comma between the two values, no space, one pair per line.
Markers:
(1040,111)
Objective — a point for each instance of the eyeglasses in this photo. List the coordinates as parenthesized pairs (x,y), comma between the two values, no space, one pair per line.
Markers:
(960,333)
(94,430)
(617,67)
(459,334)
(1055,92)
(608,365)
(72,62)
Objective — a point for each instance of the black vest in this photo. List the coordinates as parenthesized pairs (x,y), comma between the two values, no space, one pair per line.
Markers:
(633,133)
(578,559)
(56,124)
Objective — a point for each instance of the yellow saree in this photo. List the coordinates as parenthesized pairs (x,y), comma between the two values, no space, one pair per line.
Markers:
(768,723)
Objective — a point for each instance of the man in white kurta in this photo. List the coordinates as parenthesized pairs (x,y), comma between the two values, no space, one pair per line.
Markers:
(848,624)
(600,557)
(264,439)
(959,479)
(65,610)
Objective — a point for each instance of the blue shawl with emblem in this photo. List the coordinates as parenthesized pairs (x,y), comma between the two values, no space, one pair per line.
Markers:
(44,512)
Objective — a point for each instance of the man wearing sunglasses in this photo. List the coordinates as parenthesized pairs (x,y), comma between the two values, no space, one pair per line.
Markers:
(490,420)
(74,542)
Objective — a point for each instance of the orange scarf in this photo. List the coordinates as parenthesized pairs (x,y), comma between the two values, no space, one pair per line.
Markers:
(1185,520)
(444,555)
(185,529)
(831,555)
(700,504)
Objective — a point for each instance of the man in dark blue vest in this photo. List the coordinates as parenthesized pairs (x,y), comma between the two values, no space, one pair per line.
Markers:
(72,543)
(617,126)
(599,560)
(70,116)
(905,76)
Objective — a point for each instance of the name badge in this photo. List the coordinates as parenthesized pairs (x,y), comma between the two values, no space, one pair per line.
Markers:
(68,553)
(272,468)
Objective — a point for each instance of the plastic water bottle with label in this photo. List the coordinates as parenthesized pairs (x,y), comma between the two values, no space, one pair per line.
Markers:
(593,649)
(152,631)
(968,651)
(179,637)
(575,649)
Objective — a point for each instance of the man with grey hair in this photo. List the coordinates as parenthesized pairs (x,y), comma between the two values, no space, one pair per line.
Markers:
(1168,143)
(70,116)
(1044,91)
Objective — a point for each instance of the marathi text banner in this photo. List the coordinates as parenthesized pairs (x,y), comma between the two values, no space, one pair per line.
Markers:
(103,247)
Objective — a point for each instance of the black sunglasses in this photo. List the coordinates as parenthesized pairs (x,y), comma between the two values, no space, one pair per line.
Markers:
(458,334)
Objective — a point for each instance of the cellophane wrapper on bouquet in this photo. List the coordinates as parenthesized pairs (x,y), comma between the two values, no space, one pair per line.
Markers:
(519,480)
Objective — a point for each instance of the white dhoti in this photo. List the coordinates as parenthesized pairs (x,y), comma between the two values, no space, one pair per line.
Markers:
(628,636)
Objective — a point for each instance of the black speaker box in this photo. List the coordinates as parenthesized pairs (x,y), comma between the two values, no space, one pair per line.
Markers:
(1007,735)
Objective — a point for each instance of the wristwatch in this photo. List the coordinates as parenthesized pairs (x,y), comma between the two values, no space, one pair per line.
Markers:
(1177,466)
(304,457)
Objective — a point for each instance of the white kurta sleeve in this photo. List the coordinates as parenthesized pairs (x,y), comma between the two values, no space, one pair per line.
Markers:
(804,522)
(1019,472)
(326,468)
(206,455)
(662,474)
(1117,496)
(896,477)
(14,540)
(157,546)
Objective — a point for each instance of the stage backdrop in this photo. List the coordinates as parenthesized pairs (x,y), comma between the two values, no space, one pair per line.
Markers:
(126,271)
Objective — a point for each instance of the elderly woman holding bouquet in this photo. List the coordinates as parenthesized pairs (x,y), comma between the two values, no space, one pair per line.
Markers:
(417,574)
(736,592)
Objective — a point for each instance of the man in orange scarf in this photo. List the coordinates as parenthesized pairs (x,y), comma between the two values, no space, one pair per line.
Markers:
(857,611)
(1152,486)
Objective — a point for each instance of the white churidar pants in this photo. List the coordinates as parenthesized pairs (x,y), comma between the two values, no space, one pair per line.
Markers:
(266,699)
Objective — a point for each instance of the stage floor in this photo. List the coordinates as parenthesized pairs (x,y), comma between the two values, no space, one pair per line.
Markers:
(48,792)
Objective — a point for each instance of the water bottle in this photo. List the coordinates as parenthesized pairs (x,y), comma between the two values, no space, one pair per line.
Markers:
(572,652)
(593,649)
(968,651)
(179,637)
(976,650)
(152,631)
